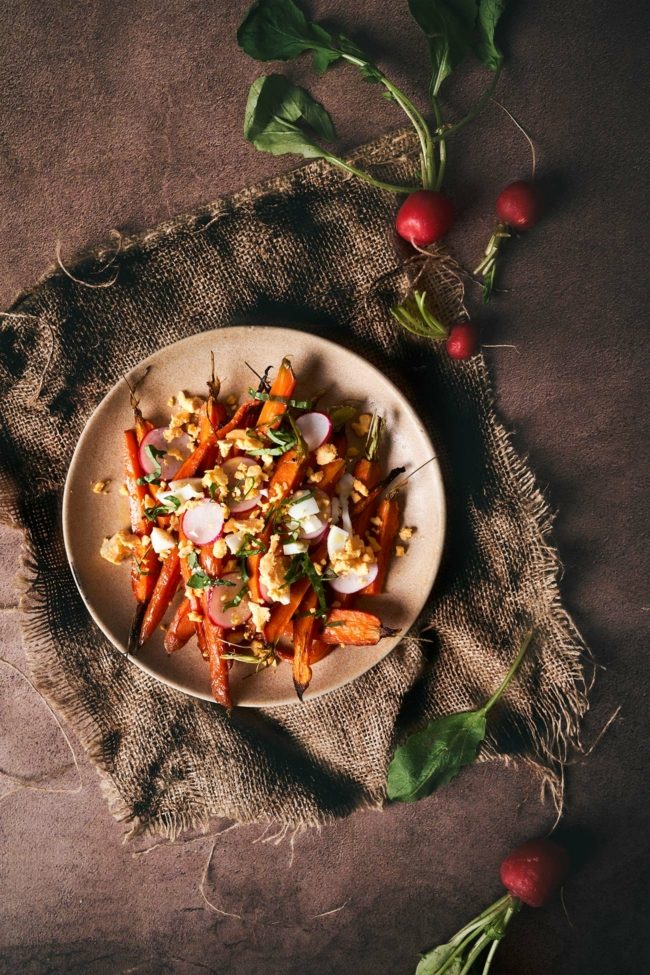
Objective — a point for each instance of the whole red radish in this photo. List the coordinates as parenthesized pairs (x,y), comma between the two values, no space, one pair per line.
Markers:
(535,871)
(531,874)
(424,217)
(463,340)
(519,205)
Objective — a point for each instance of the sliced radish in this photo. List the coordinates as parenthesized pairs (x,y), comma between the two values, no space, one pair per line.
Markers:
(230,467)
(203,523)
(315,429)
(169,465)
(218,596)
(345,487)
(354,581)
(336,540)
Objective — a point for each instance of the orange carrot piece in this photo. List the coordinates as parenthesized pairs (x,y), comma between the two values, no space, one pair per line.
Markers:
(137,492)
(283,385)
(332,474)
(282,614)
(164,592)
(204,454)
(219,679)
(353,628)
(144,575)
(303,632)
(181,629)
(388,512)
(369,473)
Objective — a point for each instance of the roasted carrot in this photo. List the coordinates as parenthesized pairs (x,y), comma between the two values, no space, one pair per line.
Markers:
(219,679)
(287,475)
(364,503)
(144,575)
(164,592)
(332,474)
(388,512)
(282,614)
(145,567)
(303,632)
(181,629)
(204,454)
(317,651)
(353,628)
(137,492)
(283,386)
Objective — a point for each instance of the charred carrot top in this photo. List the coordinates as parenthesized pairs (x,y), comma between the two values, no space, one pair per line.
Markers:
(388,512)
(181,629)
(303,632)
(162,595)
(283,386)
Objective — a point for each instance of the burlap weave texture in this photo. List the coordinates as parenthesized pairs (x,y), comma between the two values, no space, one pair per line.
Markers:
(309,247)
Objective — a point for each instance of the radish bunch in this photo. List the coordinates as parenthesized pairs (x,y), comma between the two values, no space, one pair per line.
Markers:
(532,874)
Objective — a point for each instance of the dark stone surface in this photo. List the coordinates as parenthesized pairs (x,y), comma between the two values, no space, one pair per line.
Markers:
(120,114)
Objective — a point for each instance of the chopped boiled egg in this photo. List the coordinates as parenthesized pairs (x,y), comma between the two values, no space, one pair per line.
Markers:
(303,508)
(161,540)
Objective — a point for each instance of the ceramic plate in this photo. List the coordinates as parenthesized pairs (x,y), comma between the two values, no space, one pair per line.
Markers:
(318,364)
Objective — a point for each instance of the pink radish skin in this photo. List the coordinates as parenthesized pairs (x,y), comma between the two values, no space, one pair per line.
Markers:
(218,595)
(169,465)
(203,523)
(230,466)
(315,429)
(353,582)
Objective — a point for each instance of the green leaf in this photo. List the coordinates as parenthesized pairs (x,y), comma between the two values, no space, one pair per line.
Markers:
(277,30)
(449,27)
(280,117)
(486,51)
(434,756)
(434,960)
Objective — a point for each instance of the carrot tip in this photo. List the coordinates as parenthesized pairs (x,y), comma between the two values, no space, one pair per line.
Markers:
(133,643)
(300,688)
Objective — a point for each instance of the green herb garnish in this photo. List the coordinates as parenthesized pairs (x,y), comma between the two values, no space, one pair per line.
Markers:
(434,756)
(171,504)
(200,579)
(153,454)
(298,404)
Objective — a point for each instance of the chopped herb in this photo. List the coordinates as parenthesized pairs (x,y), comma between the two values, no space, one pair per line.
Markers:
(200,579)
(335,623)
(153,454)
(340,415)
(237,598)
(172,504)
(299,404)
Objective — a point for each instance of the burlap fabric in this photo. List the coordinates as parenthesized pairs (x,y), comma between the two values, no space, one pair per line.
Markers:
(312,246)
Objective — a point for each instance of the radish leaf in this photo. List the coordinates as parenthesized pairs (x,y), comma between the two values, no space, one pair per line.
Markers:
(434,756)
(486,51)
(448,26)
(277,30)
(280,118)
(433,961)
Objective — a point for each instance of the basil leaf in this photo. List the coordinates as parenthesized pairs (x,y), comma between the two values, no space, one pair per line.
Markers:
(277,30)
(434,756)
(449,27)
(280,118)
(489,12)
(438,958)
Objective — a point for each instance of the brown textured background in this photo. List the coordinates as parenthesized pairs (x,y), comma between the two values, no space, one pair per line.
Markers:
(121,114)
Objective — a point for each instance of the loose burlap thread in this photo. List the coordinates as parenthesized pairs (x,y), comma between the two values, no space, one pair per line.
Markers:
(309,247)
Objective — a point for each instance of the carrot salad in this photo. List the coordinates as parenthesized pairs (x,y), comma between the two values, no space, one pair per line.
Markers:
(257,526)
